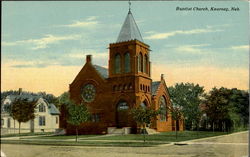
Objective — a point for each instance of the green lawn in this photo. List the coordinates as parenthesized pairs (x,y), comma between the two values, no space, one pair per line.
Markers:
(132,140)
(164,137)
(161,137)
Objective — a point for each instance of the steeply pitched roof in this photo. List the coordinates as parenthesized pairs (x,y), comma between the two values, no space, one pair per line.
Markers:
(129,30)
(102,71)
(53,110)
(155,86)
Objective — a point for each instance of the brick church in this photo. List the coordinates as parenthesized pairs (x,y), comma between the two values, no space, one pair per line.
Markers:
(110,93)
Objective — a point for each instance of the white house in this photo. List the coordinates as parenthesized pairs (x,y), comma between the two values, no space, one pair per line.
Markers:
(46,116)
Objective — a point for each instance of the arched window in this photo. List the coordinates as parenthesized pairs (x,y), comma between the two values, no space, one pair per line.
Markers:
(145,64)
(140,63)
(122,105)
(163,108)
(117,63)
(42,108)
(127,62)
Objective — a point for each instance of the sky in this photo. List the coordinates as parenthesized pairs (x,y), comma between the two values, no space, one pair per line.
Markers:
(44,44)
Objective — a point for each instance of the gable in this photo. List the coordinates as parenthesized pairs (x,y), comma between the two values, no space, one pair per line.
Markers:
(90,71)
(50,108)
(159,88)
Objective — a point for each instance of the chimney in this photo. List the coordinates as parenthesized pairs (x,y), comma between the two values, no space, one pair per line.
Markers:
(20,91)
(88,58)
(162,77)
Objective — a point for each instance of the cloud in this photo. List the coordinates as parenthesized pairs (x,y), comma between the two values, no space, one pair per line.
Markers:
(192,49)
(29,64)
(91,18)
(89,22)
(82,54)
(180,32)
(42,42)
(74,57)
(241,47)
(98,57)
(150,32)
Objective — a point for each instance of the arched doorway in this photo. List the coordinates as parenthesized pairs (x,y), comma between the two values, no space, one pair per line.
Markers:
(122,114)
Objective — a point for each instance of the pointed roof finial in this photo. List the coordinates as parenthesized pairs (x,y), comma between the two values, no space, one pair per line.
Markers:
(129,30)
(129,3)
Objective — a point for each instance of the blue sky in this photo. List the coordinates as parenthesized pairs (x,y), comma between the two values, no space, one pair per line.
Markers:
(41,35)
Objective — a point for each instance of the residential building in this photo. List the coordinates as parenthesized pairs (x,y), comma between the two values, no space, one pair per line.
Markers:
(46,115)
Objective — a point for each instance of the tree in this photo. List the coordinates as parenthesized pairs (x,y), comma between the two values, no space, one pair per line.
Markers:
(23,110)
(64,99)
(63,103)
(77,115)
(49,97)
(6,93)
(227,108)
(176,115)
(239,102)
(143,116)
(189,97)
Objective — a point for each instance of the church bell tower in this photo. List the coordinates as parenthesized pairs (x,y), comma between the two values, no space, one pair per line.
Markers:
(129,60)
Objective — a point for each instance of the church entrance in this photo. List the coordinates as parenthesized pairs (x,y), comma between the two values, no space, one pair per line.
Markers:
(122,114)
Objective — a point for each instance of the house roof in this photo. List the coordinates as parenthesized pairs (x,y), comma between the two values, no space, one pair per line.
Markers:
(23,96)
(129,30)
(102,71)
(155,86)
(53,110)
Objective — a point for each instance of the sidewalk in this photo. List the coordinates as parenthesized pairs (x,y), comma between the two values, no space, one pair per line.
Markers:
(206,140)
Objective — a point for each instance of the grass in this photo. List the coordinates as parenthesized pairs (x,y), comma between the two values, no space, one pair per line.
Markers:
(239,129)
(161,137)
(165,136)
(132,140)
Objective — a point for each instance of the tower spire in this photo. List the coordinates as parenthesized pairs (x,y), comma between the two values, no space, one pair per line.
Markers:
(129,5)
(129,30)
